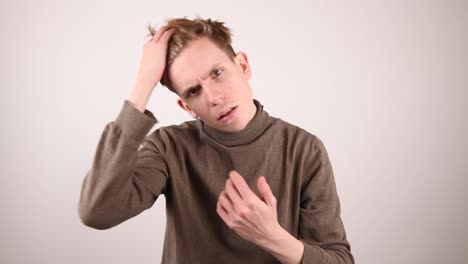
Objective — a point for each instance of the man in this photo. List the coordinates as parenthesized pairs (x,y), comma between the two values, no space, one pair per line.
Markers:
(241,186)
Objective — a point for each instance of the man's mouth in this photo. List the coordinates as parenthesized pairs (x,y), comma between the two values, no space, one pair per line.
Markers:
(227,113)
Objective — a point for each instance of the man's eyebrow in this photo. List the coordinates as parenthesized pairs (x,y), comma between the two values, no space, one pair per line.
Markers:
(186,91)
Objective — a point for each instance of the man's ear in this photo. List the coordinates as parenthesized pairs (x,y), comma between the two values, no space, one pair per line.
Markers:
(185,107)
(242,60)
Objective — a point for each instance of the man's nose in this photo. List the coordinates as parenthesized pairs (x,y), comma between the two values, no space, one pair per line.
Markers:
(214,94)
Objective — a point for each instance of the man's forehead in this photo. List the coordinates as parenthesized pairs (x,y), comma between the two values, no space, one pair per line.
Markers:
(187,73)
(197,68)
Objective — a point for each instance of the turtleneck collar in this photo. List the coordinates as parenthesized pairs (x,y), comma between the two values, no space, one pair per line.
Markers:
(254,128)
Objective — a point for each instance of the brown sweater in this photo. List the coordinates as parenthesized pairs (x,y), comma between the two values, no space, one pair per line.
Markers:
(189,164)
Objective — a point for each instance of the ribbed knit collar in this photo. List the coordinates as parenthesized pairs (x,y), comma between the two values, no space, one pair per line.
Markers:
(254,128)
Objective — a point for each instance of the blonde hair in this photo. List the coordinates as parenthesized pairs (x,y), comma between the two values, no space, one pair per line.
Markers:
(189,30)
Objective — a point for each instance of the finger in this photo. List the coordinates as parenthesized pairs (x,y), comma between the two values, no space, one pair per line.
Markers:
(233,194)
(225,202)
(167,35)
(222,212)
(241,185)
(159,33)
(265,191)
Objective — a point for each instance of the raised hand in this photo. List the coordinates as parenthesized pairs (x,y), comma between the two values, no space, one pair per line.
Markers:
(153,60)
(152,64)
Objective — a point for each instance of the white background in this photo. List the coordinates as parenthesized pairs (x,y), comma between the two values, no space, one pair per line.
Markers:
(383,84)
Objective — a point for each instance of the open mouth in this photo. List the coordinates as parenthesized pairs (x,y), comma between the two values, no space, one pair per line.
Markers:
(228,113)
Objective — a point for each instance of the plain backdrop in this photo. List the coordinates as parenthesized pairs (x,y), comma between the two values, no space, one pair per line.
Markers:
(382,83)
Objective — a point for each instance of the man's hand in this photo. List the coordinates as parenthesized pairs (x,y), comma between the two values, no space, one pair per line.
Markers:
(252,218)
(153,59)
(255,219)
(152,65)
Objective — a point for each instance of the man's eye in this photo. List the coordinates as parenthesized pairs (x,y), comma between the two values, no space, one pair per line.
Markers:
(193,92)
(217,72)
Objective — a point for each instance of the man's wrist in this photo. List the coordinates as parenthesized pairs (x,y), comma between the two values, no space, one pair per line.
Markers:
(283,246)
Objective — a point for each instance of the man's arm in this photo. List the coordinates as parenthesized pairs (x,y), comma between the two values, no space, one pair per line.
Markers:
(320,226)
(322,237)
(124,179)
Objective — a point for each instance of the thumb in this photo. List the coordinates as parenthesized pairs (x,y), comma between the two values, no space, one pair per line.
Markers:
(266,192)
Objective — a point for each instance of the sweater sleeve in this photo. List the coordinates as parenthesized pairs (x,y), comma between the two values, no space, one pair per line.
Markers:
(321,229)
(128,172)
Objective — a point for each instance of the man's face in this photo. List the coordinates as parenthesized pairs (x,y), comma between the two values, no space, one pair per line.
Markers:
(209,83)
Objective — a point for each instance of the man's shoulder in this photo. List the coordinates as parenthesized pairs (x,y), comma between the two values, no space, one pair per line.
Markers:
(294,130)
(184,129)
(309,143)
(167,137)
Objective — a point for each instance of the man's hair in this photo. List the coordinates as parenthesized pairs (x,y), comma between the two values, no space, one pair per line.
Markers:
(189,30)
